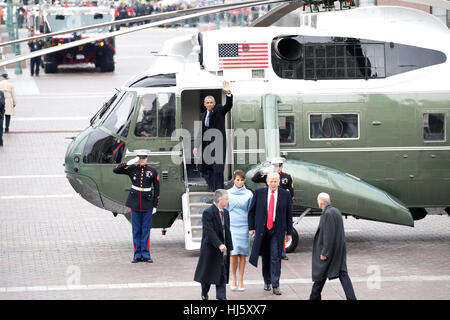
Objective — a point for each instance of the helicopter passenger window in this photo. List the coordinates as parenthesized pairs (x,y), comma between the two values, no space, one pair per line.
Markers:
(156,116)
(434,127)
(103,148)
(166,114)
(286,129)
(333,126)
(119,119)
(146,121)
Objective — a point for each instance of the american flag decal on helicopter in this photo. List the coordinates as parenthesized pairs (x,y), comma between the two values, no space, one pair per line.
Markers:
(243,55)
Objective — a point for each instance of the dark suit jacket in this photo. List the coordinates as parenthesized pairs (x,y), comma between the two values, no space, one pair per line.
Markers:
(329,241)
(216,121)
(257,219)
(211,259)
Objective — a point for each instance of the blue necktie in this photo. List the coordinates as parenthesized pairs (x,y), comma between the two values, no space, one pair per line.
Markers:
(207,120)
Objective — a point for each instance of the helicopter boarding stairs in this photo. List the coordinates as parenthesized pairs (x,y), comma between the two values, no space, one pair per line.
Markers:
(194,203)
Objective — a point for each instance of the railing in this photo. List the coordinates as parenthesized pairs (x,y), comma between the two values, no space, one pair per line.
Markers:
(186,183)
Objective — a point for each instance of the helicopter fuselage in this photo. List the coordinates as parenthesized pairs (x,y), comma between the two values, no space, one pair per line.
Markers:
(362,116)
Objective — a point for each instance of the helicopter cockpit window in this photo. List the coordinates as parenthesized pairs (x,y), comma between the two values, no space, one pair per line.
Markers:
(103,110)
(103,148)
(286,129)
(333,126)
(156,115)
(119,119)
(159,80)
(434,127)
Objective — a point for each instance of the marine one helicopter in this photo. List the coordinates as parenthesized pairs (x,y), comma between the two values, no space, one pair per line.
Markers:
(357,102)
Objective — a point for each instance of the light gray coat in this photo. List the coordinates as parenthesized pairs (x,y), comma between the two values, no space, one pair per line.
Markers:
(10,96)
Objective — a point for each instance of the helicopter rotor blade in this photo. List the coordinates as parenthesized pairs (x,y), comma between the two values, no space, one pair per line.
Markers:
(164,15)
(275,14)
(122,32)
(444,4)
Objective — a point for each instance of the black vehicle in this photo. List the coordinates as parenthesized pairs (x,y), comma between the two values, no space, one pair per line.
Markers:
(100,52)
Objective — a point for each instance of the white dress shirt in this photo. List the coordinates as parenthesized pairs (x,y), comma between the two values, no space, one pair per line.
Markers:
(269,193)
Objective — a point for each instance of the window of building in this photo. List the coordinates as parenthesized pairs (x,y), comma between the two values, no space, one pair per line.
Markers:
(434,127)
(156,116)
(286,126)
(333,126)
(119,119)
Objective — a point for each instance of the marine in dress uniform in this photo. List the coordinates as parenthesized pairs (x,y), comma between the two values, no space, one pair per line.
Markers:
(285,178)
(142,200)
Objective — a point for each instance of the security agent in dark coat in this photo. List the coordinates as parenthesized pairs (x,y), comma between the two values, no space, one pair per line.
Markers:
(269,240)
(329,257)
(35,62)
(213,163)
(214,262)
(141,201)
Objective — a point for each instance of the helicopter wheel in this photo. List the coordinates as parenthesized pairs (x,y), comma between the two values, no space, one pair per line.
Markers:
(292,245)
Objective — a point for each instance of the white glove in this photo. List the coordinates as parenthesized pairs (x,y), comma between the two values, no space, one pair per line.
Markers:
(267,170)
(154,211)
(132,161)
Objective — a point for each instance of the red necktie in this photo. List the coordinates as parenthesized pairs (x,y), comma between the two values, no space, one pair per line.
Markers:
(270,213)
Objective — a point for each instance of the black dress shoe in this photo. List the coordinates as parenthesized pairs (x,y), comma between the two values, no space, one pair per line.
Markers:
(148,260)
(277,291)
(267,286)
(136,260)
(205,297)
(285,258)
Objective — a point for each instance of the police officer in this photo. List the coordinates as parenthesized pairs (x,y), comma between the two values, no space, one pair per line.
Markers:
(35,62)
(285,183)
(141,201)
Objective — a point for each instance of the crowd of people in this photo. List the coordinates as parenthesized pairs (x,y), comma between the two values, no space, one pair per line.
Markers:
(143,8)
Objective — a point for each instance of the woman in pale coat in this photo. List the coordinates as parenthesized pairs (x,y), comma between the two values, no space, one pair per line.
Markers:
(240,199)
(10,99)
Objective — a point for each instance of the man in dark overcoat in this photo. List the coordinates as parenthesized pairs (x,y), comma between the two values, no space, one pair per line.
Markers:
(270,221)
(213,265)
(213,134)
(329,257)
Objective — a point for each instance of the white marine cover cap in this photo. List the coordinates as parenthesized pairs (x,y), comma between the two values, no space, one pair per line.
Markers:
(142,152)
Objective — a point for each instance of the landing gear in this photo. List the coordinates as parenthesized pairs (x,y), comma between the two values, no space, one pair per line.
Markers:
(292,245)
(418,213)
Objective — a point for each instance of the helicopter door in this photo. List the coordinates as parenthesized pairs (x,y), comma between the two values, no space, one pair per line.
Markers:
(191,109)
